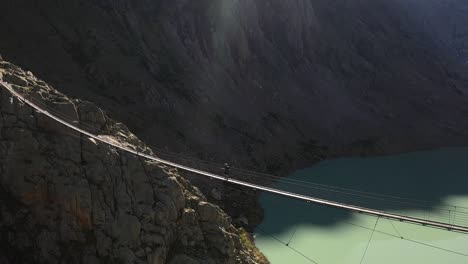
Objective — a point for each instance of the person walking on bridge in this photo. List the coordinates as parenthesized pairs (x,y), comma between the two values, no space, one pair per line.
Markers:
(226,170)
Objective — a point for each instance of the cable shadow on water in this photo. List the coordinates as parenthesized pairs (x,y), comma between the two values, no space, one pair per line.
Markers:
(424,179)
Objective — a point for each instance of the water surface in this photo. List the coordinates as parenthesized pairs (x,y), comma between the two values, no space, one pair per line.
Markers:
(332,236)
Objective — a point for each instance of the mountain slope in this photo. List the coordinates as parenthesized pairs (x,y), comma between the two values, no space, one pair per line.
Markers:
(446,22)
(68,199)
(255,82)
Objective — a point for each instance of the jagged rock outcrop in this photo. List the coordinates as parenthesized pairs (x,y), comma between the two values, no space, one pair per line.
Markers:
(65,198)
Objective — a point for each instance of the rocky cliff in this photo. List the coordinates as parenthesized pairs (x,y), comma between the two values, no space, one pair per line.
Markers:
(65,198)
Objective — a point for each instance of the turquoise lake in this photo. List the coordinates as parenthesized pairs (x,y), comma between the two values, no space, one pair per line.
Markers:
(431,185)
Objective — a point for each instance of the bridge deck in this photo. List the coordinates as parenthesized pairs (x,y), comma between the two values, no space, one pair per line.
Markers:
(397,217)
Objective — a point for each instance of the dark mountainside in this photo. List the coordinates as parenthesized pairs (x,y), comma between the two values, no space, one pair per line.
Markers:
(249,81)
(446,21)
(266,84)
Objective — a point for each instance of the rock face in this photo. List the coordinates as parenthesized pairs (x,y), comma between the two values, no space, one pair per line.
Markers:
(67,199)
(446,22)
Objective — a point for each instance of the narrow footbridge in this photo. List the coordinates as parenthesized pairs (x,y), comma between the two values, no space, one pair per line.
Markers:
(325,202)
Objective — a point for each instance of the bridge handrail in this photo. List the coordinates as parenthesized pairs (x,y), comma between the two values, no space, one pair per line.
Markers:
(363,210)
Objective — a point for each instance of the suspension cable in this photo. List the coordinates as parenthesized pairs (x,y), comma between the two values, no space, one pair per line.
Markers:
(131,149)
(370,239)
(304,184)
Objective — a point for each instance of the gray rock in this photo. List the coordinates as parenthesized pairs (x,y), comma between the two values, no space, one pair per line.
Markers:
(126,230)
(208,212)
(66,197)
(243,220)
(15,79)
(156,256)
(126,255)
(183,259)
(91,114)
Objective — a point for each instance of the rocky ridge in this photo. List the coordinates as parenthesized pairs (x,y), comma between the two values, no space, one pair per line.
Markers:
(67,199)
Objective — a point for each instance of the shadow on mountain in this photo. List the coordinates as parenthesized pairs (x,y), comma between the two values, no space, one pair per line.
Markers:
(422,176)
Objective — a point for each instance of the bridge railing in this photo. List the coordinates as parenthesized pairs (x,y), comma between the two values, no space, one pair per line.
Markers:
(353,200)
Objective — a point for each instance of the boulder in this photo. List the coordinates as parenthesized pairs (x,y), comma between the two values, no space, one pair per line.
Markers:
(90,114)
(208,212)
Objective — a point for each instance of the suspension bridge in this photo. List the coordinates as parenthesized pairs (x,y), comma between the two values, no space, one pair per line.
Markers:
(454,215)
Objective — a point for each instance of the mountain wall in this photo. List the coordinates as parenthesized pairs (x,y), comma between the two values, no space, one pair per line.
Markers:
(445,22)
(262,82)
